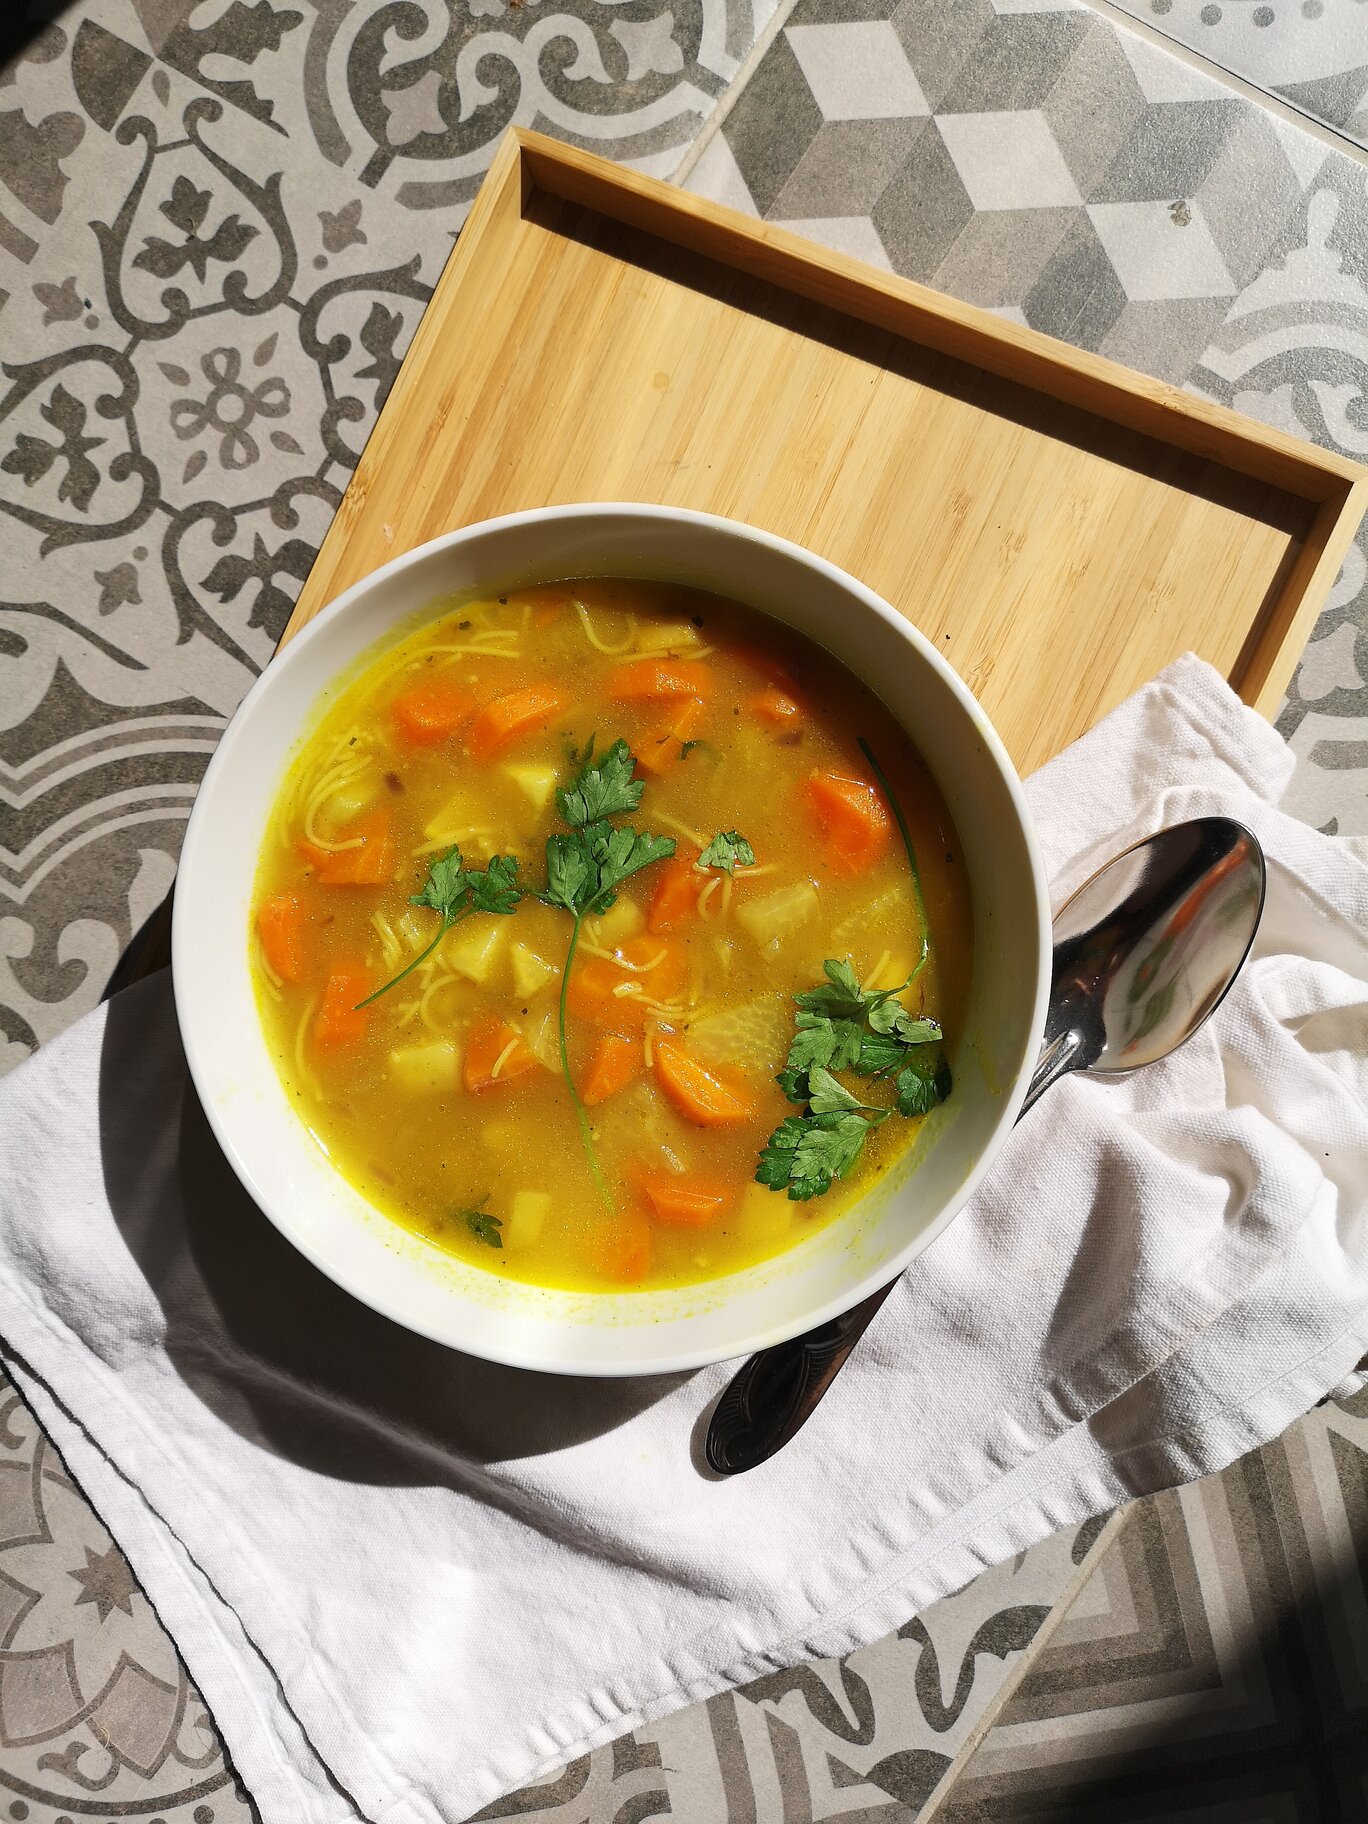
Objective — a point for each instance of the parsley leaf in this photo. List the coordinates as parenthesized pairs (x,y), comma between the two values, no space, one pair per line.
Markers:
(728,850)
(921,1086)
(837,1044)
(585,869)
(806,1153)
(605,790)
(828,1096)
(444,886)
(495,888)
(482,1225)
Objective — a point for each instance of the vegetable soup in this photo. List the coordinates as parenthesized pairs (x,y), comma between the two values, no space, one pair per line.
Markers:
(610,934)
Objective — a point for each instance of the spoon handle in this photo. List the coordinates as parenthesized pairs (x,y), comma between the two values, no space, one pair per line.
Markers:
(774,1394)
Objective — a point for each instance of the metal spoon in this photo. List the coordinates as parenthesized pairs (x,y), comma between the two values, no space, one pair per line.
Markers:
(1144,952)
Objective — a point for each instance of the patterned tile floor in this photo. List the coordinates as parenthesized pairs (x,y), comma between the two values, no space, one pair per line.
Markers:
(219,220)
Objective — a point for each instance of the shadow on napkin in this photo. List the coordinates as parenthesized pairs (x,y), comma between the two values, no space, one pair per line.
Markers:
(274,1348)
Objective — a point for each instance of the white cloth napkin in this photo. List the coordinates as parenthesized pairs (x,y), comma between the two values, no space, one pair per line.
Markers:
(407,1582)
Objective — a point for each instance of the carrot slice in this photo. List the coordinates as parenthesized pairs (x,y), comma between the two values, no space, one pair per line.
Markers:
(280,929)
(369,864)
(616,1060)
(774,706)
(496,1053)
(655,680)
(621,1248)
(659,751)
(676,896)
(340,1022)
(708,1095)
(503,719)
(853,818)
(608,994)
(687,1203)
(430,713)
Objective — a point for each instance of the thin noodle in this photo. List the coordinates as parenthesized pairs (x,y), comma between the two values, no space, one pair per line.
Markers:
(619,961)
(673,823)
(706,895)
(302,1069)
(876,971)
(612,652)
(504,1056)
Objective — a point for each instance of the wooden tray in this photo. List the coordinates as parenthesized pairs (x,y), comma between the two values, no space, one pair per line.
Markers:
(1059,526)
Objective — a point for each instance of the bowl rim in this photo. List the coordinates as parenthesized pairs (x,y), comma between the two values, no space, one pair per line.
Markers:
(611,1366)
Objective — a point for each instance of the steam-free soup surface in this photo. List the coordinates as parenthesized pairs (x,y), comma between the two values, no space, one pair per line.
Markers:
(444,1100)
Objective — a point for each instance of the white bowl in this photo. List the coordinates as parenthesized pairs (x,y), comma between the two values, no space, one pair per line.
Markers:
(617,1333)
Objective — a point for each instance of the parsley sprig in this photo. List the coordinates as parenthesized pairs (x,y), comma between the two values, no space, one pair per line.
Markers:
(727,851)
(456,891)
(584,871)
(482,1224)
(841,1026)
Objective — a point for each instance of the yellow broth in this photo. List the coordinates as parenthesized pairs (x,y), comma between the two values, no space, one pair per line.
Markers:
(443,1101)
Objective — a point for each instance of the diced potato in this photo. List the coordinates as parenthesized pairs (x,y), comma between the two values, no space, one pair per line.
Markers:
(771,921)
(753,1036)
(409,930)
(346,804)
(477,947)
(862,932)
(530,971)
(526,1217)
(622,920)
(426,1070)
(666,636)
(536,783)
(456,814)
(543,1039)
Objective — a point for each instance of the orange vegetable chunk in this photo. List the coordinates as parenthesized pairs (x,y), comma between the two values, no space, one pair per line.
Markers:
(657,752)
(496,1053)
(776,707)
(621,1247)
(595,982)
(688,1203)
(370,863)
(502,720)
(340,1022)
(431,712)
(616,1060)
(657,680)
(709,1095)
(852,817)
(675,899)
(280,929)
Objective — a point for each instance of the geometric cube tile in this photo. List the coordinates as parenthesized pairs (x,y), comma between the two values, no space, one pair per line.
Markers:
(1008,160)
(1161,250)
(940,40)
(773,123)
(1169,151)
(925,206)
(1245,218)
(1000,253)
(847,167)
(857,71)
(1094,103)
(1016,65)
(1078,296)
